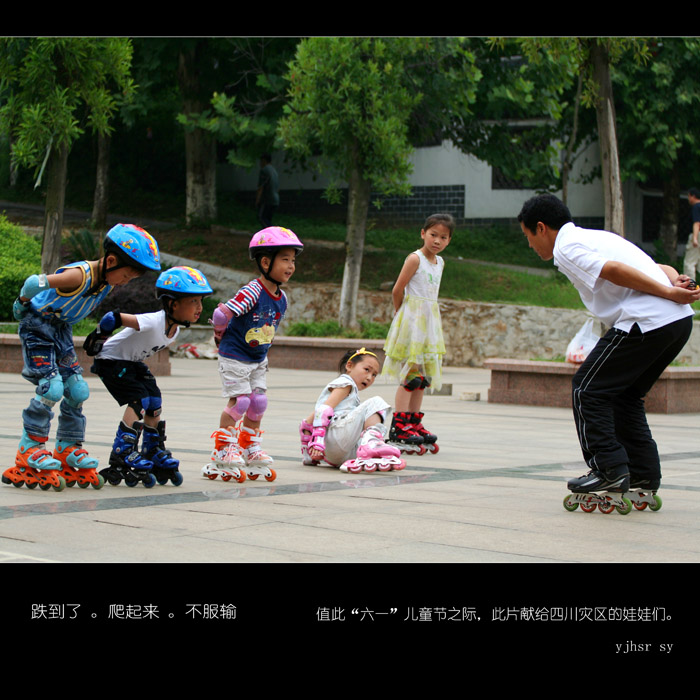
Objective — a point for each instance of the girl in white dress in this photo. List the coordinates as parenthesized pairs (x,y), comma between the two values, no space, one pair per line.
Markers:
(414,346)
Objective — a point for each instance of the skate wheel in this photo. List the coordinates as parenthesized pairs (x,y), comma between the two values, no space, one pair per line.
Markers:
(569,506)
(211,476)
(30,485)
(61,484)
(18,484)
(271,476)
(240,479)
(606,507)
(113,480)
(639,506)
(81,484)
(130,480)
(70,484)
(225,477)
(657,503)
(149,481)
(588,507)
(370,467)
(44,487)
(176,478)
(434,448)
(253,476)
(421,450)
(99,481)
(627,508)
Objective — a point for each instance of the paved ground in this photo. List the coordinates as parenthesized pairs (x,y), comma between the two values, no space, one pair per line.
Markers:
(492,494)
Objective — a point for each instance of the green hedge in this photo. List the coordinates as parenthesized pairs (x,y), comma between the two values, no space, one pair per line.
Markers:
(20,256)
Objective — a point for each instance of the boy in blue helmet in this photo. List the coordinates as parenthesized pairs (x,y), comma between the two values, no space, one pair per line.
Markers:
(119,363)
(47,307)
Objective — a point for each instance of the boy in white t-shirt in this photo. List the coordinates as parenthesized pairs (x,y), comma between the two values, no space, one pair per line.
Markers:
(645,305)
(119,363)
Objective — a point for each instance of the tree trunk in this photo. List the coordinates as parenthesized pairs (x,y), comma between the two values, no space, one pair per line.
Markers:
(669,214)
(99,206)
(569,154)
(607,137)
(358,205)
(53,212)
(200,156)
(200,147)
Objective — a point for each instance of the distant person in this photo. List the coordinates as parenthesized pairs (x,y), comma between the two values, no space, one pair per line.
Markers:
(692,249)
(646,307)
(267,198)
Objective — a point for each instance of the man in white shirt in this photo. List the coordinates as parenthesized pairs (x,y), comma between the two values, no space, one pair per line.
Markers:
(645,305)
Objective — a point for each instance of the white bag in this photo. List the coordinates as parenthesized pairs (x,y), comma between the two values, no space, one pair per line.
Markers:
(582,343)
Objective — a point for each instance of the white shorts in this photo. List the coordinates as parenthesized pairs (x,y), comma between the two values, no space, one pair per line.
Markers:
(343,434)
(239,378)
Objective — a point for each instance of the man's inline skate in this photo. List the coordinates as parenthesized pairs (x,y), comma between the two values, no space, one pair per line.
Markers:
(374,454)
(643,494)
(257,461)
(586,492)
(34,466)
(403,435)
(126,462)
(226,460)
(77,467)
(165,466)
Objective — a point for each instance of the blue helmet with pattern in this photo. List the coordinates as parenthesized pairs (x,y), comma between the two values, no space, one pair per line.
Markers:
(182,281)
(133,246)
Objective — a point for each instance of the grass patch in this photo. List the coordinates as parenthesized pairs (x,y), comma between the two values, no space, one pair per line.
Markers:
(332,329)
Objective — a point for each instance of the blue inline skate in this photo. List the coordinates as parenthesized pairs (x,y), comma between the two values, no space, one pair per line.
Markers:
(165,466)
(126,462)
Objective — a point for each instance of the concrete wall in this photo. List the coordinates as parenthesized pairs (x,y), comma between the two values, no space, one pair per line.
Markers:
(473,331)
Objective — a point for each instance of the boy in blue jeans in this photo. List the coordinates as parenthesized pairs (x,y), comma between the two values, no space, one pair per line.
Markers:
(47,308)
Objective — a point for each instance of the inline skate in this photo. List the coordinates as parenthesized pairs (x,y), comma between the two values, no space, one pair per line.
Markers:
(374,454)
(257,461)
(165,466)
(305,430)
(586,492)
(429,439)
(125,461)
(77,467)
(34,466)
(226,460)
(403,435)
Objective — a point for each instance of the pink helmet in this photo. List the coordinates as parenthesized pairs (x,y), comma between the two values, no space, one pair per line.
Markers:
(271,239)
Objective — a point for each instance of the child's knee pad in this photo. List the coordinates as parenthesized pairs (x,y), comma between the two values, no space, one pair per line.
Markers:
(76,390)
(258,405)
(238,410)
(49,391)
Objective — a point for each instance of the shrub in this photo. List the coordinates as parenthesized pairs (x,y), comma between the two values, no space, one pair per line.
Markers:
(20,256)
(332,329)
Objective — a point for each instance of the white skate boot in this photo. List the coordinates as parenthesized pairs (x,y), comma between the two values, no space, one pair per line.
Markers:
(257,461)
(226,460)
(374,454)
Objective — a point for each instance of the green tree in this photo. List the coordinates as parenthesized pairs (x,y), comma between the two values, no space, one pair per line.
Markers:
(526,120)
(351,105)
(593,59)
(51,91)
(658,114)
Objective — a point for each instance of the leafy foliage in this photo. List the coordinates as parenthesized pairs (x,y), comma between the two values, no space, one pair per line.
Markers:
(20,257)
